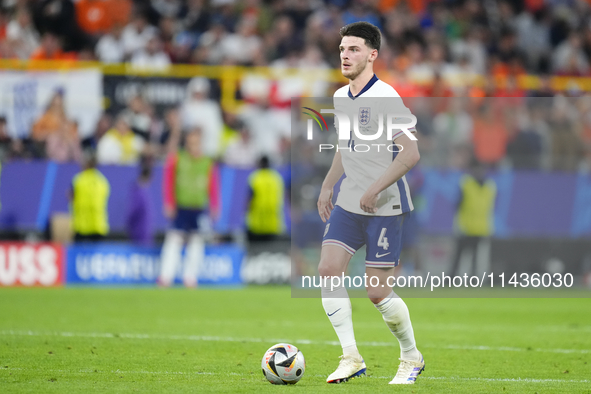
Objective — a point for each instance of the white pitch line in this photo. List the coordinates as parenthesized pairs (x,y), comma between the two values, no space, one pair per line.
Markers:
(452,378)
(278,340)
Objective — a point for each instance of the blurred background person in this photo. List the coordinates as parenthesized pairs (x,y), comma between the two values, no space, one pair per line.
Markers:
(58,17)
(453,129)
(190,184)
(90,196)
(138,117)
(10,148)
(242,151)
(110,48)
(64,146)
(21,34)
(152,57)
(54,123)
(198,110)
(265,216)
(137,33)
(474,216)
(140,218)
(53,119)
(119,145)
(50,48)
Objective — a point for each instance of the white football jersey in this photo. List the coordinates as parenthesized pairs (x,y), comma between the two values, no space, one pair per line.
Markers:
(365,161)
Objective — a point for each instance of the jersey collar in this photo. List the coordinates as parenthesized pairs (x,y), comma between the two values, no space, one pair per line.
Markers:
(373,80)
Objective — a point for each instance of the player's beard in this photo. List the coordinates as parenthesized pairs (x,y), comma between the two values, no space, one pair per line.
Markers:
(358,69)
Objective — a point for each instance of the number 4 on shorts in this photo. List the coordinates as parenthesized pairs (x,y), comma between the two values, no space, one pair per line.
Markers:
(383,241)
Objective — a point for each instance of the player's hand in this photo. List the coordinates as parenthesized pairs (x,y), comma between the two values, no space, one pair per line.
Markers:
(169,212)
(325,206)
(368,201)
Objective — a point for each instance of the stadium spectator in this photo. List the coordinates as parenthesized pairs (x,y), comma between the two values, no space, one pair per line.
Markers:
(210,49)
(224,11)
(435,64)
(21,34)
(453,134)
(472,49)
(110,47)
(240,47)
(195,18)
(474,217)
(504,40)
(58,17)
(90,195)
(54,120)
(533,36)
(64,145)
(152,57)
(313,64)
(190,189)
(567,149)
(119,145)
(361,10)
(264,219)
(231,129)
(199,111)
(490,134)
(50,48)
(242,152)
(137,33)
(9,148)
(280,38)
(103,125)
(167,8)
(525,150)
(140,222)
(569,58)
(176,44)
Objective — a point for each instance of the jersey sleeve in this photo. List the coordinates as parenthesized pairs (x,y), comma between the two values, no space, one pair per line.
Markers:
(214,190)
(169,180)
(400,109)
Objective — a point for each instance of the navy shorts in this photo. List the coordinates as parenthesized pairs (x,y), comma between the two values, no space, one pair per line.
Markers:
(187,219)
(381,234)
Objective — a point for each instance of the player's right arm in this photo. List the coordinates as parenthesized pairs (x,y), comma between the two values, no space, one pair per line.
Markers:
(335,173)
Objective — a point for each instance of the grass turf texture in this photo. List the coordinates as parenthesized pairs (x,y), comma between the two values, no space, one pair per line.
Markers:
(70,340)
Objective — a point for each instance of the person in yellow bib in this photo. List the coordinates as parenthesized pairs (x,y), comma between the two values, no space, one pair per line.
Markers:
(90,196)
(264,219)
(474,217)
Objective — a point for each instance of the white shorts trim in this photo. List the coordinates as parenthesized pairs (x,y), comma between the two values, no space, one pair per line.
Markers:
(339,243)
(379,264)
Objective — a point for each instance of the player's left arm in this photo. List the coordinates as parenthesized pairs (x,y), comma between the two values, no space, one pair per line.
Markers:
(404,161)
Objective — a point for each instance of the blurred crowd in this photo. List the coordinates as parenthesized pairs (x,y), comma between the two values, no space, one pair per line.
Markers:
(421,37)
(430,49)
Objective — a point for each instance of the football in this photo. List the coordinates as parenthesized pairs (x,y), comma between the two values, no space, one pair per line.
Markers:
(283,364)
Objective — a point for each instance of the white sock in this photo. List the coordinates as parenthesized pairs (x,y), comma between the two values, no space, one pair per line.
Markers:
(337,306)
(395,314)
(170,256)
(193,259)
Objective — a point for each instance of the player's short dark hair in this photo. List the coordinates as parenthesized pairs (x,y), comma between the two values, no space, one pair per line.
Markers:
(370,33)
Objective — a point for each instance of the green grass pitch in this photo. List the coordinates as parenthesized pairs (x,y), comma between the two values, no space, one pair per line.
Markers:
(76,340)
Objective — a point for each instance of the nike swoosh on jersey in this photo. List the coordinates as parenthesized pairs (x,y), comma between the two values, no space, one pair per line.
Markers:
(382,255)
(330,314)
